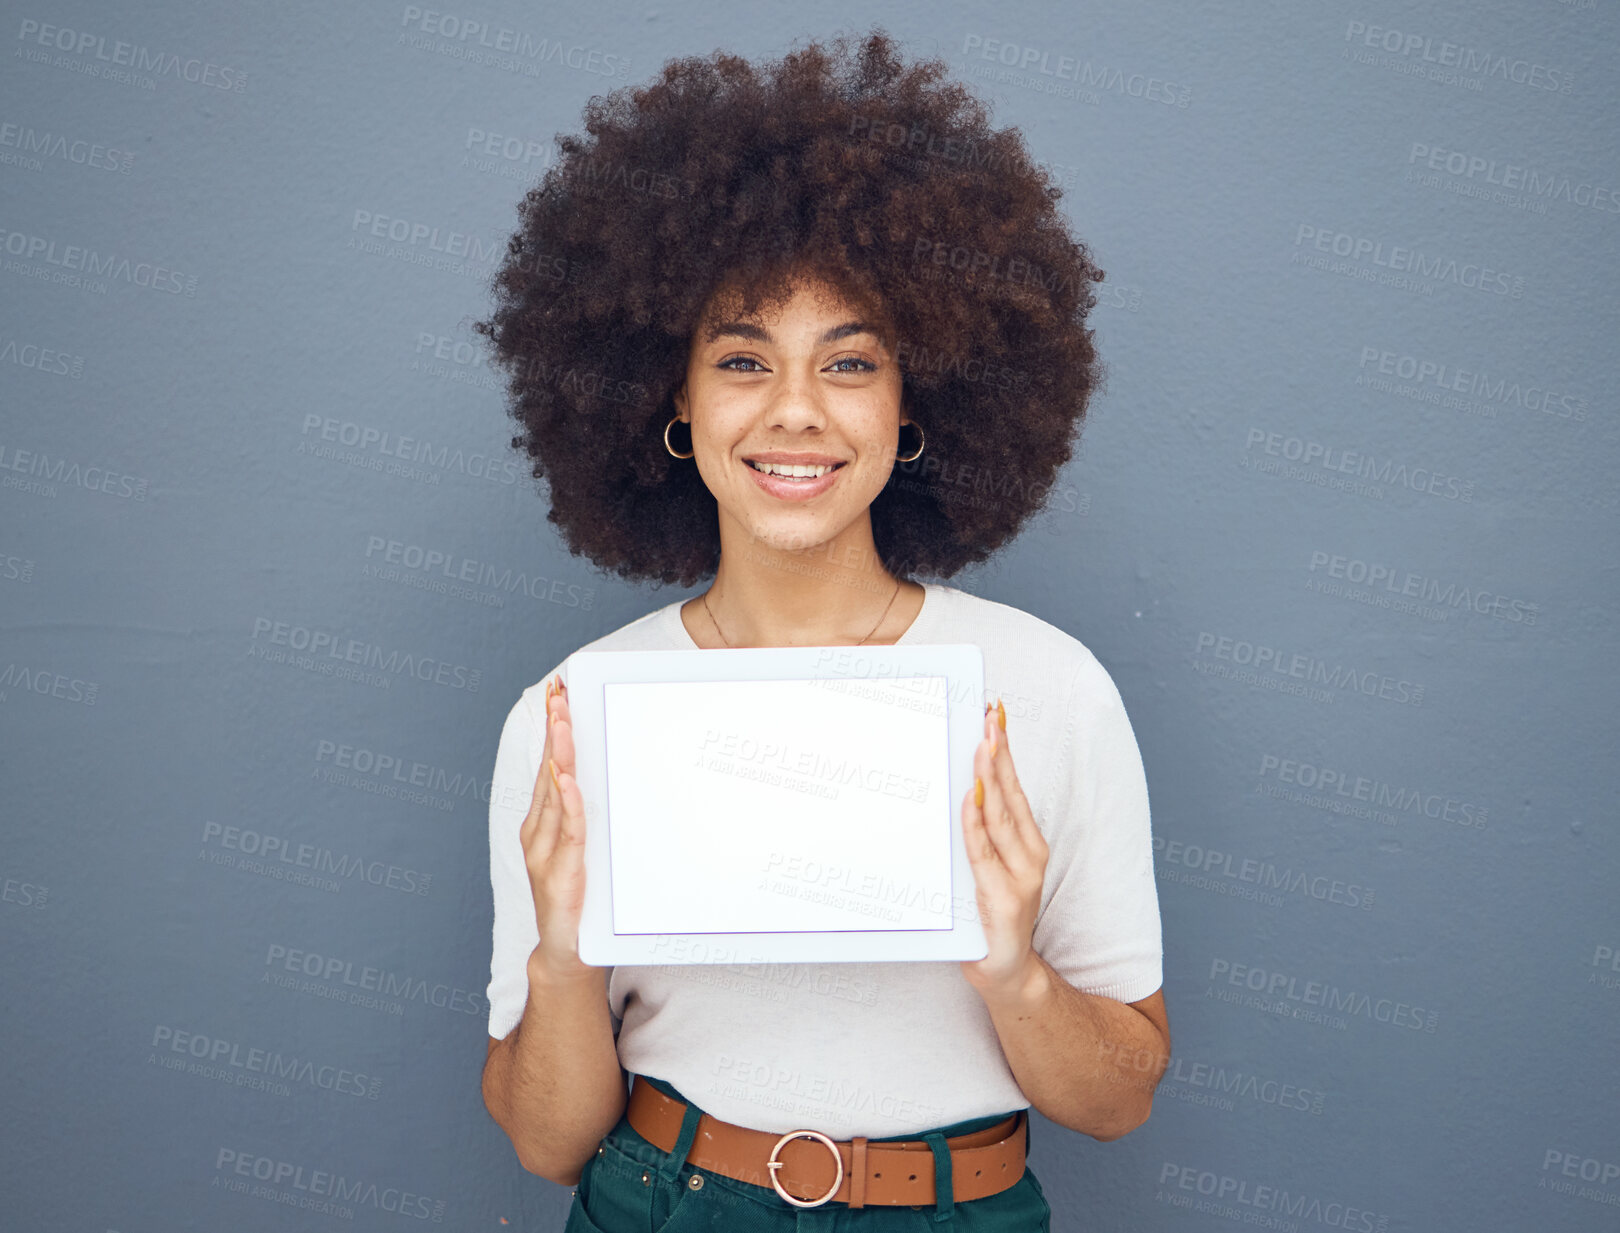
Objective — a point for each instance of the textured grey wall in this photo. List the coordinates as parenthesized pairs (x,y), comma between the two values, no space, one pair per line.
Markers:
(1342,528)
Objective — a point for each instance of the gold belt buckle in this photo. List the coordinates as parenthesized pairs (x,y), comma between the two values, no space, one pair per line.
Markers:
(773,1164)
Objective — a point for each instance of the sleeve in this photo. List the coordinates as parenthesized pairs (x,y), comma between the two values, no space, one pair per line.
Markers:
(1100,927)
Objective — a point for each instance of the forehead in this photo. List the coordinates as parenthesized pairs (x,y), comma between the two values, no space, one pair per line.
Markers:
(818,303)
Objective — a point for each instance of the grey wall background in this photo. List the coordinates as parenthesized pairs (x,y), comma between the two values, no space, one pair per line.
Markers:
(1342,528)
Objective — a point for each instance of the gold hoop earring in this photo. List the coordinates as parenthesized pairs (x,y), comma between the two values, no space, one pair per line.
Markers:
(667,445)
(921,441)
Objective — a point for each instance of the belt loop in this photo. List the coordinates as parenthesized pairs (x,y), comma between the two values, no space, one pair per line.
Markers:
(671,1168)
(944,1192)
(857,1172)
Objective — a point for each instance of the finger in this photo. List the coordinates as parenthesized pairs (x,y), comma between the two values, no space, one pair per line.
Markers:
(990,879)
(1006,767)
(570,803)
(975,834)
(1000,827)
(562,733)
(535,833)
(537,795)
(1018,839)
(542,783)
(569,848)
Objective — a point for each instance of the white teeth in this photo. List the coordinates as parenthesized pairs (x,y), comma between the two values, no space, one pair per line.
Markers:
(794,472)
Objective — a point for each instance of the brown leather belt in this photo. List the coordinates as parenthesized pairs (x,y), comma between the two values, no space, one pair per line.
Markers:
(808,1169)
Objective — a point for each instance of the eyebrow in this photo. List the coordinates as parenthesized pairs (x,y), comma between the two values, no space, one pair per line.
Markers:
(743,329)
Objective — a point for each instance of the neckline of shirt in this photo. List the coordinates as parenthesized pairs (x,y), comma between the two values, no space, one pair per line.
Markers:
(933,593)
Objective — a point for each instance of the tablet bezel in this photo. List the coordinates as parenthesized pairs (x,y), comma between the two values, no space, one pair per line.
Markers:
(962,666)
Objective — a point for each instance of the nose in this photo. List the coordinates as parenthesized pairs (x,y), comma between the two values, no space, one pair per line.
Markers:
(795,402)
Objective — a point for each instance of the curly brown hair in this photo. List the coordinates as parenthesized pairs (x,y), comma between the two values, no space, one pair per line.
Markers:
(881,179)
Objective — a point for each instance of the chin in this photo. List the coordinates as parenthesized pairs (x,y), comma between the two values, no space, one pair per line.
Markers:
(788,539)
(781,540)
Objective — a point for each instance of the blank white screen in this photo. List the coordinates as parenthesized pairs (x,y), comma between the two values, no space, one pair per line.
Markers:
(778,806)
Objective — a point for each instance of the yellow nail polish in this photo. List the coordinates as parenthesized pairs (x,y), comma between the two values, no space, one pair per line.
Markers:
(978,792)
(1001,714)
(552,763)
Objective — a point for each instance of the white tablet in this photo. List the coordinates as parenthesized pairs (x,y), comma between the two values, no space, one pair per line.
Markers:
(777,804)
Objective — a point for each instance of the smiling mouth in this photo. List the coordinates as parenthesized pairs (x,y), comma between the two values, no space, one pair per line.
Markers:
(801,474)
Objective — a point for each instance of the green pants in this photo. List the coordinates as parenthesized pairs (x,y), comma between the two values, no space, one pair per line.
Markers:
(631,1186)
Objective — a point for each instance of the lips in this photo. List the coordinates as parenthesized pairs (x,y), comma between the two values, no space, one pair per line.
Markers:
(788,489)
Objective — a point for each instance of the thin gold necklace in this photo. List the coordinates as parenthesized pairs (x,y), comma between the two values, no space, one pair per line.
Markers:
(872,631)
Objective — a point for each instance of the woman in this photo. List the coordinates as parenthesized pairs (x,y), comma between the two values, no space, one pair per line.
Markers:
(725,309)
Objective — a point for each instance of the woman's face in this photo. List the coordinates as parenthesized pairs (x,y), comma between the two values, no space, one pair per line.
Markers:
(812,385)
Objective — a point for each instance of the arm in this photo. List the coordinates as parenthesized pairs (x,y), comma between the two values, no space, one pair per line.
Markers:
(552,1079)
(1086,1062)
(554,1084)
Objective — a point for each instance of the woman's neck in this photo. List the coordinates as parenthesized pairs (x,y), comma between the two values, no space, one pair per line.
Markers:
(763,596)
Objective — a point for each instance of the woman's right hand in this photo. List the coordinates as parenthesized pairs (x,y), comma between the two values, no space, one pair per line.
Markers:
(553,838)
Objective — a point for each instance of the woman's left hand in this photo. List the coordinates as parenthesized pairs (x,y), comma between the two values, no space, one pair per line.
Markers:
(1008,854)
